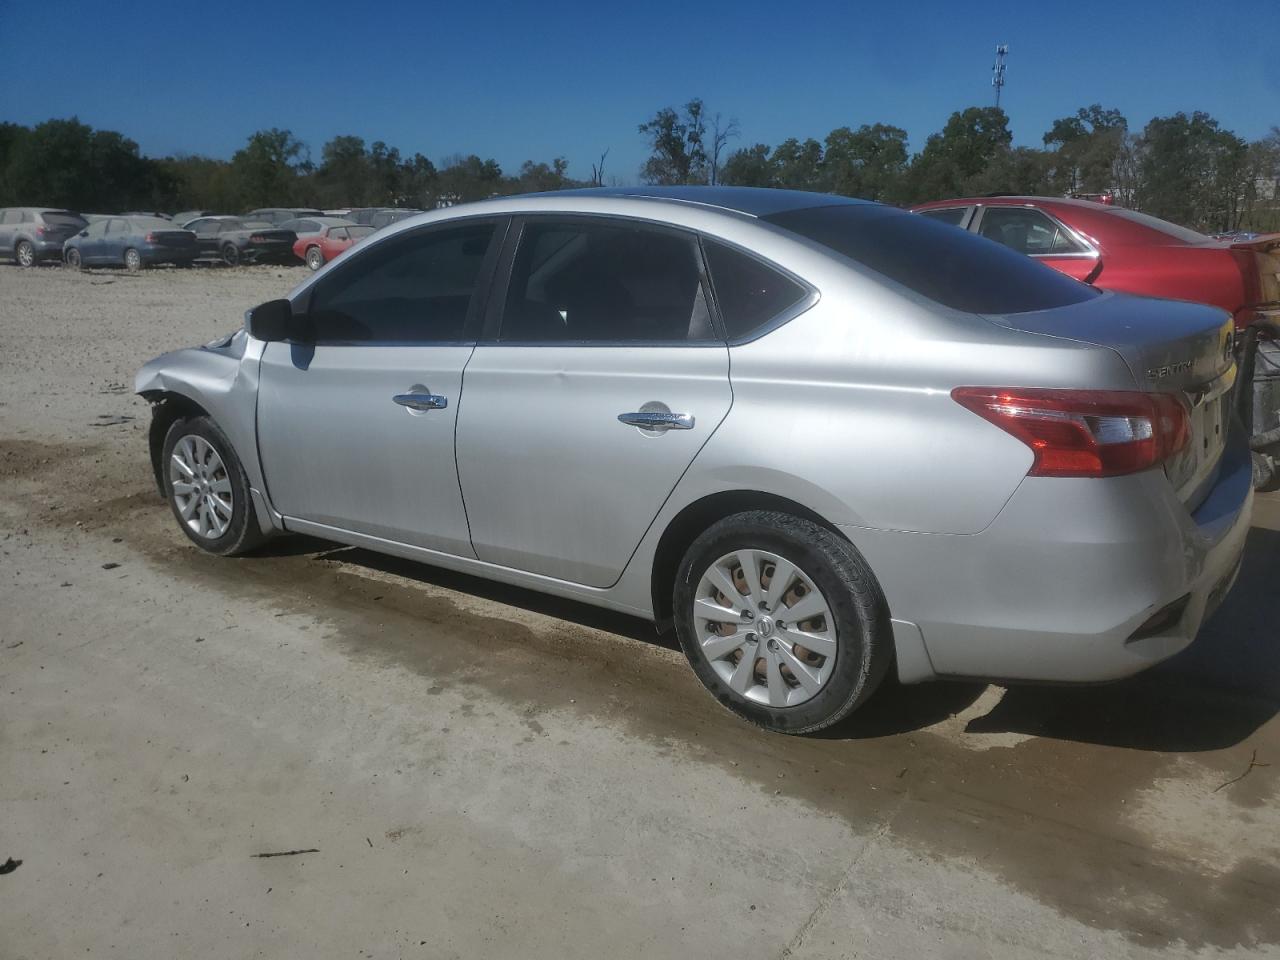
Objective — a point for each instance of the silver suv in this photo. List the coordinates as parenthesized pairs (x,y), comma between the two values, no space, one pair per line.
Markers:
(32,234)
(821,438)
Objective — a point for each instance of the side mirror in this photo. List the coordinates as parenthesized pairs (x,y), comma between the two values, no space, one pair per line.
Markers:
(272,321)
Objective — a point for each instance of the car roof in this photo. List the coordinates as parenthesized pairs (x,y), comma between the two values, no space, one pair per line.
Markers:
(752,201)
(1013,200)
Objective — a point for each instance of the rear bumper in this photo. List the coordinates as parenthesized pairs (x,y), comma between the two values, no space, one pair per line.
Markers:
(161,255)
(1057,587)
(48,249)
(283,253)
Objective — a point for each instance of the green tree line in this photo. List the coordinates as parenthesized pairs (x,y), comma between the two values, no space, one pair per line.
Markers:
(1185,167)
(66,163)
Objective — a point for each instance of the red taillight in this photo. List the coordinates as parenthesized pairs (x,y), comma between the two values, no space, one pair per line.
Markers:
(40,231)
(150,238)
(1085,433)
(257,238)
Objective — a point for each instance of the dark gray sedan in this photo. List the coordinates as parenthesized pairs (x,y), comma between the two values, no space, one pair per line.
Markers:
(235,240)
(135,242)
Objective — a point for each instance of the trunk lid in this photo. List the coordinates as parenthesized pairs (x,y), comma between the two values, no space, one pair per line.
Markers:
(1259,260)
(273,236)
(1169,346)
(173,238)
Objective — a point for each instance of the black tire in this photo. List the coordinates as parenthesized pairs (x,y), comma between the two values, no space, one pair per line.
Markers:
(314,258)
(73,260)
(24,253)
(132,260)
(243,533)
(230,254)
(864,637)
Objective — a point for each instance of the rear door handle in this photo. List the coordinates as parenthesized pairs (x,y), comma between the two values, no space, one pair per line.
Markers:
(421,401)
(658,420)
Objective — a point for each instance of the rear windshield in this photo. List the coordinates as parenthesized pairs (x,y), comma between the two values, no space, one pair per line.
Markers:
(254,225)
(1182,234)
(153,223)
(935,260)
(358,231)
(63,220)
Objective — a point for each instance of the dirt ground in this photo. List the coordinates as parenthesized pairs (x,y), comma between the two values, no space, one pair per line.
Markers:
(476,771)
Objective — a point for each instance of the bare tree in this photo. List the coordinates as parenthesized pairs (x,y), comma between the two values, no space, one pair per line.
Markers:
(597,170)
(722,131)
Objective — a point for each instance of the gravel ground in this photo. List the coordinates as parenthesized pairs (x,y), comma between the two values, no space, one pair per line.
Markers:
(458,769)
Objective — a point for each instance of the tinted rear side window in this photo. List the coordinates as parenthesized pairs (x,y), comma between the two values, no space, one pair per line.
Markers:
(952,267)
(749,293)
(603,282)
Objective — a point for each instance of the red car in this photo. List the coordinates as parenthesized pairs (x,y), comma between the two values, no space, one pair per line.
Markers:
(317,249)
(1118,249)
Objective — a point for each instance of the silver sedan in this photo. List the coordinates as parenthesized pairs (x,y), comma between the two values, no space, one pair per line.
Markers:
(821,439)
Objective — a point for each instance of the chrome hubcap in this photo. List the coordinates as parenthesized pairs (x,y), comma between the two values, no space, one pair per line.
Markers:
(765,628)
(201,487)
(26,256)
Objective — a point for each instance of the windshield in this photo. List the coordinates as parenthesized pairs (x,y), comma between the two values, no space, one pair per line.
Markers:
(1182,234)
(935,260)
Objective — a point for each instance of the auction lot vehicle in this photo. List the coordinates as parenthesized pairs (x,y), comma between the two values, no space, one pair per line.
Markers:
(820,437)
(317,249)
(32,234)
(1127,251)
(234,240)
(1132,252)
(134,242)
(276,216)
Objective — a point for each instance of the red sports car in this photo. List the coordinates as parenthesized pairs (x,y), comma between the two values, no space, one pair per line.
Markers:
(317,249)
(1118,249)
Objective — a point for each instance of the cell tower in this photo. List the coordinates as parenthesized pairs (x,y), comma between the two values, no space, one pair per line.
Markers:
(997,70)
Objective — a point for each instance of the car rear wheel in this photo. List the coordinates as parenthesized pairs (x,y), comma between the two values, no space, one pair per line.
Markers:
(207,488)
(73,259)
(782,620)
(132,260)
(315,259)
(25,253)
(230,255)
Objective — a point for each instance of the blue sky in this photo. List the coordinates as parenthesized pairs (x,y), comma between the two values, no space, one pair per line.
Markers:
(532,81)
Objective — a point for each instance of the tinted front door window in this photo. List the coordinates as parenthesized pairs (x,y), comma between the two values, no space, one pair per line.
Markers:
(414,289)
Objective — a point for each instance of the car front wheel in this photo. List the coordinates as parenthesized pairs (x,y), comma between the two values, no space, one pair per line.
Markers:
(132,260)
(208,489)
(25,253)
(230,255)
(782,620)
(315,259)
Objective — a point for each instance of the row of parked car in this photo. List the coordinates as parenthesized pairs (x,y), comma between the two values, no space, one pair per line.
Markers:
(140,239)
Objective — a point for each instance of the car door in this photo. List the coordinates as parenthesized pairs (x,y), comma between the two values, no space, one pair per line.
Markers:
(1033,232)
(335,241)
(206,231)
(356,427)
(8,238)
(110,248)
(600,378)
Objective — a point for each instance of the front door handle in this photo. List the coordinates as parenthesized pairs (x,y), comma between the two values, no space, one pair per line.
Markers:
(421,401)
(658,420)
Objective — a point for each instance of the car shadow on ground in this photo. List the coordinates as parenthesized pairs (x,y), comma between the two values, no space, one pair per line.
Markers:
(1213,695)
